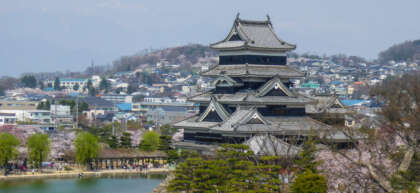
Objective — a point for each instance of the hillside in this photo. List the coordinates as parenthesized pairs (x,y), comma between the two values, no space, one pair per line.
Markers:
(407,51)
(185,55)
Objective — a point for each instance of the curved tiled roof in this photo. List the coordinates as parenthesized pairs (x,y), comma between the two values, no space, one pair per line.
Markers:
(253,35)
(253,70)
(251,98)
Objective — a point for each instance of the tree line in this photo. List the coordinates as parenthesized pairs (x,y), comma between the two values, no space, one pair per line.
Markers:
(39,147)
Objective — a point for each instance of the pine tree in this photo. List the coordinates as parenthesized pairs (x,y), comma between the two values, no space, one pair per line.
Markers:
(125,140)
(308,182)
(104,85)
(28,81)
(76,87)
(57,84)
(113,142)
(164,143)
(307,157)
(184,175)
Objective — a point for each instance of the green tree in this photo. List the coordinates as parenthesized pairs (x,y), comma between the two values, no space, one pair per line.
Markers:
(150,141)
(125,140)
(131,88)
(231,170)
(91,89)
(40,106)
(267,172)
(44,105)
(83,106)
(104,85)
(309,182)
(87,147)
(167,130)
(41,85)
(28,81)
(184,175)
(307,158)
(47,105)
(164,143)
(113,142)
(173,156)
(76,87)
(57,84)
(8,148)
(39,148)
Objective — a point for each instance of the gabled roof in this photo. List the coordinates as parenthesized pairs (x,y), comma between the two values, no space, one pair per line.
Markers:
(228,80)
(327,104)
(248,34)
(242,116)
(214,107)
(271,145)
(337,103)
(274,84)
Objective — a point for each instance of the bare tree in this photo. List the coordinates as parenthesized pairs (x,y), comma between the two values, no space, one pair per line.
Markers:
(385,158)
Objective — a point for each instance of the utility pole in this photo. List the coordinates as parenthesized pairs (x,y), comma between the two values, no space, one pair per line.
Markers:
(77,112)
(55,113)
(113,128)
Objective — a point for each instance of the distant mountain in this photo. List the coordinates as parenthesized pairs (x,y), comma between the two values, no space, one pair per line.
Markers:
(407,51)
(185,55)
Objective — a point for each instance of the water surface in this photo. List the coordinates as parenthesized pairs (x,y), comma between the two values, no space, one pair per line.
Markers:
(110,184)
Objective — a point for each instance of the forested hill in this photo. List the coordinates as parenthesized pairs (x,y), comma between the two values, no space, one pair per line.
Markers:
(407,51)
(189,54)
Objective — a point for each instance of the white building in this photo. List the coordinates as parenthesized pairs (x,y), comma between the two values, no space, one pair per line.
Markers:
(7,119)
(61,114)
(68,84)
(33,116)
(60,110)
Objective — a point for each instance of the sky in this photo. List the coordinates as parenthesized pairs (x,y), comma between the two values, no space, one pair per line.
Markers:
(61,35)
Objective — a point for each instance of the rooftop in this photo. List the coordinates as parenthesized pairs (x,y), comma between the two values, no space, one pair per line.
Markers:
(253,70)
(251,98)
(256,35)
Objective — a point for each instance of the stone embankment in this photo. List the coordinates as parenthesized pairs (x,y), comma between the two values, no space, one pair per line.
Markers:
(75,173)
(162,186)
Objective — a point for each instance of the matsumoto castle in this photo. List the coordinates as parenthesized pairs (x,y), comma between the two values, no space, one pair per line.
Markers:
(252,96)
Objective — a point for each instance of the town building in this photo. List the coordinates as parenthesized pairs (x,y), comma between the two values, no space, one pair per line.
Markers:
(153,103)
(7,119)
(168,114)
(69,84)
(251,95)
(98,107)
(117,98)
(61,114)
(18,105)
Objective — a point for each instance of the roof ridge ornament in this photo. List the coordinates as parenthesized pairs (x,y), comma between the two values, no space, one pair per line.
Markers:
(237,17)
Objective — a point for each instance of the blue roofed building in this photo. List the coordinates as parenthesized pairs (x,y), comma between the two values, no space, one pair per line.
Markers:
(355,102)
(126,107)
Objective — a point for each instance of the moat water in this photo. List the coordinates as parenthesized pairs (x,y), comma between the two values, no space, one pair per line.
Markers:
(109,184)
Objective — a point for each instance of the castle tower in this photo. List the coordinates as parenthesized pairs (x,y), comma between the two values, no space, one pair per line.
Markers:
(252,93)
